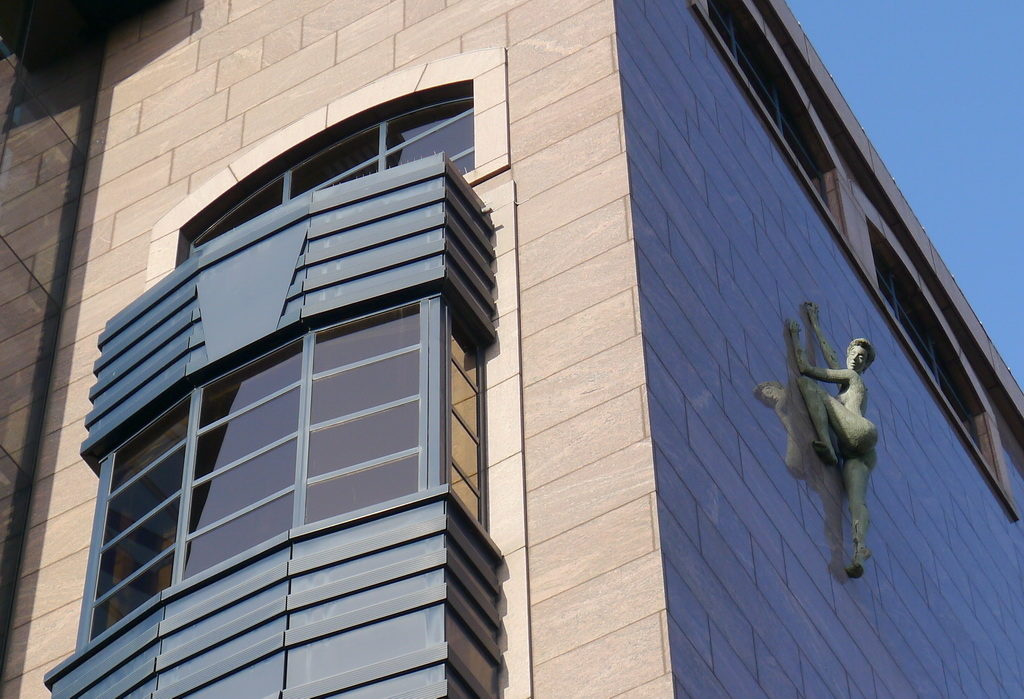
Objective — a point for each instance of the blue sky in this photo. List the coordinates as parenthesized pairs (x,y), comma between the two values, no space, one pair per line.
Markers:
(939,88)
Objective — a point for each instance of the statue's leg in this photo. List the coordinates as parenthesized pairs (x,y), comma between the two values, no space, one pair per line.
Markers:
(856,471)
(815,398)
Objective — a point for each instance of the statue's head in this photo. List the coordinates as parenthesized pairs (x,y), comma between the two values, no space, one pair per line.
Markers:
(859,355)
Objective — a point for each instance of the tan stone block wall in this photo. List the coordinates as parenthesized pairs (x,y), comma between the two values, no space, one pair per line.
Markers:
(197,86)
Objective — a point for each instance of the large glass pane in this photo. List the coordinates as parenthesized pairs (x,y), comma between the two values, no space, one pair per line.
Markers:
(365,387)
(336,159)
(366,338)
(243,485)
(370,437)
(248,432)
(464,357)
(464,399)
(132,595)
(464,450)
(150,444)
(464,492)
(262,201)
(248,385)
(361,489)
(239,534)
(138,547)
(452,139)
(158,484)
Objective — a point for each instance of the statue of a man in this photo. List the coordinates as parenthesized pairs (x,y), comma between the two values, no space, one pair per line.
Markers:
(844,413)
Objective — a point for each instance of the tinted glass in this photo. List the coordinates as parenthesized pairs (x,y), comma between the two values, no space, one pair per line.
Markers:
(239,534)
(337,159)
(369,437)
(466,162)
(366,338)
(361,489)
(451,140)
(466,495)
(158,484)
(464,399)
(262,201)
(464,356)
(243,485)
(138,547)
(132,595)
(155,440)
(248,432)
(464,450)
(365,387)
(251,383)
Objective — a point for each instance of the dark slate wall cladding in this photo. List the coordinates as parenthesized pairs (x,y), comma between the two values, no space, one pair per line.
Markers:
(402,232)
(728,246)
(403,605)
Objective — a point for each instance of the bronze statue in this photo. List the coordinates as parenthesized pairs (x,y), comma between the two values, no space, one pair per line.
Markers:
(844,413)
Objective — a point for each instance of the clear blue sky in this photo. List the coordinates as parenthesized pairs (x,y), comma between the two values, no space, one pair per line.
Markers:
(939,88)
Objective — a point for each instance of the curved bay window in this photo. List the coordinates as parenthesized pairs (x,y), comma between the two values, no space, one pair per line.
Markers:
(442,127)
(323,427)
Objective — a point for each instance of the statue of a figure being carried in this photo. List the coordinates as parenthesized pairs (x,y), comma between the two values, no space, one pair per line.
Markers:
(844,413)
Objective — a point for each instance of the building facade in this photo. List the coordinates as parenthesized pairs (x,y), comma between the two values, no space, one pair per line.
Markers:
(416,348)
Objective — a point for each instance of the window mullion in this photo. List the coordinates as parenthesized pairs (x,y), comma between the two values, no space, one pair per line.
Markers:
(178,569)
(302,442)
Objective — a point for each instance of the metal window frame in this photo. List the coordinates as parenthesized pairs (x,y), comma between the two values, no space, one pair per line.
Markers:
(433,448)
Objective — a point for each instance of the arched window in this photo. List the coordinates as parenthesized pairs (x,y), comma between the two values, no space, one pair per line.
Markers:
(440,121)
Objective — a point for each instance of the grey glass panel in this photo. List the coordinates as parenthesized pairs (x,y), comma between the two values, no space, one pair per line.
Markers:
(101,690)
(129,597)
(465,451)
(466,495)
(249,431)
(158,484)
(364,646)
(262,201)
(264,679)
(251,383)
(464,356)
(226,616)
(464,399)
(396,685)
(239,534)
(366,386)
(366,598)
(370,437)
(326,576)
(366,338)
(336,160)
(361,489)
(461,643)
(150,444)
(138,547)
(243,485)
(222,651)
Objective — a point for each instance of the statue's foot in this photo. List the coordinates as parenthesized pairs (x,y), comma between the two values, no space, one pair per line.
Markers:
(856,567)
(825,452)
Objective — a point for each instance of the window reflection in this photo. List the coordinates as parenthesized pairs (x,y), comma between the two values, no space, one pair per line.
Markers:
(357,441)
(155,440)
(370,337)
(359,489)
(227,540)
(248,432)
(465,424)
(366,386)
(248,385)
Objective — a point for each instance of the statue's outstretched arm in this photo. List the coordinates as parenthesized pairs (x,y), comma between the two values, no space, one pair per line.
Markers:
(831,358)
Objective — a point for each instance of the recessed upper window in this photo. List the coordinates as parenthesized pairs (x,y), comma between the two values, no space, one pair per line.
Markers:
(441,127)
